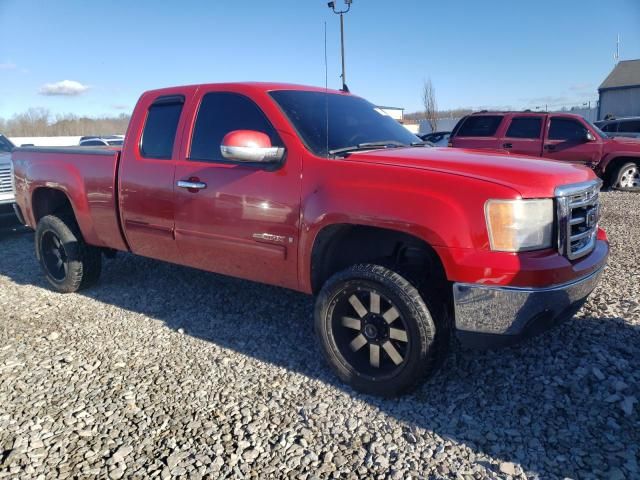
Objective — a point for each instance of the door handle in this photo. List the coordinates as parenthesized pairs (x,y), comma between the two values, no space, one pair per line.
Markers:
(191,185)
(549,147)
(507,145)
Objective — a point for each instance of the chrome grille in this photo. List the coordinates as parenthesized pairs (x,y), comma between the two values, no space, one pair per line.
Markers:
(578,210)
(6,182)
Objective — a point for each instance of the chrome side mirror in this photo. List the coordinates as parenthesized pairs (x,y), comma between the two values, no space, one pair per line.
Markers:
(250,146)
(589,137)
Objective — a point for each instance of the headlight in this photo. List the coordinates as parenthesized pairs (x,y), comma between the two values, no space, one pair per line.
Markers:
(519,225)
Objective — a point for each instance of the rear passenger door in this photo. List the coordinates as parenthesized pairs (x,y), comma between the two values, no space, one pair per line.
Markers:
(146,178)
(478,131)
(524,135)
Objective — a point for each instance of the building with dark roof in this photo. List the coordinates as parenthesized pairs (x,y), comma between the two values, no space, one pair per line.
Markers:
(620,91)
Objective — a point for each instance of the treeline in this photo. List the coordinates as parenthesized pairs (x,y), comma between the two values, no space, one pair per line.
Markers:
(455,113)
(39,122)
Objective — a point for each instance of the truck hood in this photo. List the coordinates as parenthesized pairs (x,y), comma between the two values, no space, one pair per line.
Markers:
(532,177)
(631,144)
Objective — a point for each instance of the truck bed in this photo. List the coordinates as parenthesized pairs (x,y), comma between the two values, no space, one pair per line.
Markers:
(86,175)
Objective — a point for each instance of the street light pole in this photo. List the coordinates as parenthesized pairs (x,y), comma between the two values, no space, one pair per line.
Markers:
(332,6)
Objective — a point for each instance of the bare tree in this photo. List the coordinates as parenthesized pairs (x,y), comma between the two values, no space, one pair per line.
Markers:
(38,122)
(430,104)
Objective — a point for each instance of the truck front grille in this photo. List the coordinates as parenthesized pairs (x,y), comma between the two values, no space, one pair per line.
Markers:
(578,212)
(6,182)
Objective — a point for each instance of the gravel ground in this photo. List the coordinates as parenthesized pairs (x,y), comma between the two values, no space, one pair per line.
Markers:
(166,371)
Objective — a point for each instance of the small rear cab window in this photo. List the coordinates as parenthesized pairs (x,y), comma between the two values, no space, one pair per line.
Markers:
(160,128)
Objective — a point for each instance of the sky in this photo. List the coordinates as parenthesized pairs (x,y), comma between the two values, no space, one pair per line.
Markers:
(96,58)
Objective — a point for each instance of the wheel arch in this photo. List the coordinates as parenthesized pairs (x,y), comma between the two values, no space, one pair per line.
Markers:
(613,164)
(49,201)
(338,246)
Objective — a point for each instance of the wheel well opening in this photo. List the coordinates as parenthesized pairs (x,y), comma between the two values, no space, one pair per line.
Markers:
(340,246)
(48,201)
(614,165)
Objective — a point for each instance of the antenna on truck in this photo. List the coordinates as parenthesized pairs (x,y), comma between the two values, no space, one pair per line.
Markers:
(326,88)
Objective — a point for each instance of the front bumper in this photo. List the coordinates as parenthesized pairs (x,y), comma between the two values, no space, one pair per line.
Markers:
(489,316)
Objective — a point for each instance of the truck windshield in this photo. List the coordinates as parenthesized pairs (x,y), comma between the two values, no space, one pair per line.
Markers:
(353,123)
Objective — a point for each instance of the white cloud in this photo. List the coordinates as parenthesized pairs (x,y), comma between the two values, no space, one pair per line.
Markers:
(65,87)
(8,66)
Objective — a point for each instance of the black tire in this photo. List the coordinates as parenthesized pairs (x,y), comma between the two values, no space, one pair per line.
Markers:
(76,265)
(627,177)
(418,348)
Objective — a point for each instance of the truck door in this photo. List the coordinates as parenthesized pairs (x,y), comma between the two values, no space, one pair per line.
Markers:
(242,219)
(524,135)
(146,177)
(570,140)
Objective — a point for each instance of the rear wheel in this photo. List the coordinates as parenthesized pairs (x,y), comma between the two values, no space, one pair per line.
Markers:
(627,177)
(69,264)
(376,331)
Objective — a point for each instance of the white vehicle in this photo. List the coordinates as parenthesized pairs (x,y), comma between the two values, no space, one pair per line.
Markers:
(102,141)
(6,174)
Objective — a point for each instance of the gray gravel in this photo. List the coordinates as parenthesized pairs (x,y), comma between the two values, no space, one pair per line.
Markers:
(165,371)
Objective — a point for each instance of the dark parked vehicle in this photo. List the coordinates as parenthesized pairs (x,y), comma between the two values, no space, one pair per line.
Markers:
(103,141)
(439,139)
(621,127)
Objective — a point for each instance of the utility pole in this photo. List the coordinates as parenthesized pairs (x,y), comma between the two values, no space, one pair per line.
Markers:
(332,6)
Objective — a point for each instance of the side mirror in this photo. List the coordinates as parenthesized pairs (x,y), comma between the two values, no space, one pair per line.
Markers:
(589,137)
(250,146)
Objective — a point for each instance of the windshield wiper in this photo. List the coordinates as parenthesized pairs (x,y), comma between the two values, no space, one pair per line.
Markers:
(367,146)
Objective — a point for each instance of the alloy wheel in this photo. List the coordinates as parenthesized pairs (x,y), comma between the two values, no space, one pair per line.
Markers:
(630,177)
(54,256)
(370,333)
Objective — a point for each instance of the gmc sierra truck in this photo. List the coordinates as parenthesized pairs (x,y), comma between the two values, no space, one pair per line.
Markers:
(555,136)
(319,191)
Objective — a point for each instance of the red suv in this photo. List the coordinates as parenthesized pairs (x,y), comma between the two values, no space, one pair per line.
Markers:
(557,136)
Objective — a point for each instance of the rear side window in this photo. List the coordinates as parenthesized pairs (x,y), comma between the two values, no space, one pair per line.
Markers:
(609,127)
(221,113)
(525,127)
(632,126)
(93,143)
(480,126)
(566,129)
(160,128)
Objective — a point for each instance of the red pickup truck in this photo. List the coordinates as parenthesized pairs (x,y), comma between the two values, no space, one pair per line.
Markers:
(319,191)
(556,136)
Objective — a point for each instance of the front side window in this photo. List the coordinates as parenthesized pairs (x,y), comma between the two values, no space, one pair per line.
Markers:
(328,122)
(221,113)
(525,127)
(160,128)
(480,126)
(610,127)
(566,129)
(93,143)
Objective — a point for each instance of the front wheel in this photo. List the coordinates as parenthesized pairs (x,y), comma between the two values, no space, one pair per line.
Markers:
(627,177)
(69,264)
(376,330)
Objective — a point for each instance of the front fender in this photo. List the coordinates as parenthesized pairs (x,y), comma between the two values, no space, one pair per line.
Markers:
(443,209)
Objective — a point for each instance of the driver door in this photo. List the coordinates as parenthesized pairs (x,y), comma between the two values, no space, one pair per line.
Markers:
(566,139)
(243,220)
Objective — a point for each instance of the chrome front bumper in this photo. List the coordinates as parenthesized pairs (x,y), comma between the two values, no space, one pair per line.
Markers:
(488,316)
